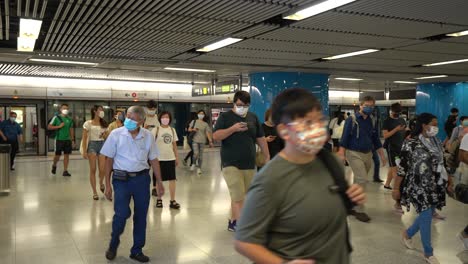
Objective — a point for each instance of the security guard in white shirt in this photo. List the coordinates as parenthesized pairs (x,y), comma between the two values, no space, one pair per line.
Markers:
(128,150)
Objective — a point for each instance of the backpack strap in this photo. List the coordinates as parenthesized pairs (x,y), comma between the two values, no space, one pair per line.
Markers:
(341,185)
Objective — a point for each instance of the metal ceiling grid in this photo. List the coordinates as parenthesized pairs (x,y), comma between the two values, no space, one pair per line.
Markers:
(441,47)
(375,25)
(293,46)
(326,37)
(262,53)
(458,40)
(453,11)
(379,62)
(244,60)
(255,30)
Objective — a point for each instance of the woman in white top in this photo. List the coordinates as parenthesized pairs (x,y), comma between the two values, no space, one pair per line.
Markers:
(166,140)
(202,131)
(337,125)
(94,132)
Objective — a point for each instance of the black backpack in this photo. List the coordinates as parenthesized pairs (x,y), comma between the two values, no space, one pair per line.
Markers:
(341,185)
(51,133)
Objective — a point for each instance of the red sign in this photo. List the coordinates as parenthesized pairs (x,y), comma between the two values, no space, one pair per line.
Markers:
(134,94)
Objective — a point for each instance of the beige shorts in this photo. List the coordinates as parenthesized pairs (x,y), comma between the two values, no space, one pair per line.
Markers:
(238,182)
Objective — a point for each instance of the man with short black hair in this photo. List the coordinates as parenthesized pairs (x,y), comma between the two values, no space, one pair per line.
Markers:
(239,130)
(151,120)
(360,137)
(64,138)
(11,133)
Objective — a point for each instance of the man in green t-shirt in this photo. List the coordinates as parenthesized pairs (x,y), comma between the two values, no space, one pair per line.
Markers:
(64,138)
(295,210)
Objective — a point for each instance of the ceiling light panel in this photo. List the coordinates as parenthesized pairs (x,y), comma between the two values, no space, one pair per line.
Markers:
(29,28)
(65,62)
(219,44)
(26,44)
(445,63)
(356,53)
(458,34)
(317,9)
(431,77)
(348,79)
(187,69)
(405,82)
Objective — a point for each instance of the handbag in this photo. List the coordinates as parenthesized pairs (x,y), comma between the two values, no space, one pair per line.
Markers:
(259,158)
(191,134)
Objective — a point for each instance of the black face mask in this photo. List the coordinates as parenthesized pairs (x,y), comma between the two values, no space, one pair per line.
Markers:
(396,115)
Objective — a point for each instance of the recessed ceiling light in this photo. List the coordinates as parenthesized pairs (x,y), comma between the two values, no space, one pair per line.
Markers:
(356,53)
(219,44)
(26,44)
(405,82)
(317,9)
(431,77)
(445,62)
(188,69)
(29,28)
(65,62)
(348,79)
(457,34)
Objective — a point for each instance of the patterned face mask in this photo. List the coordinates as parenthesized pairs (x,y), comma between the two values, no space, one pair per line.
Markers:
(309,136)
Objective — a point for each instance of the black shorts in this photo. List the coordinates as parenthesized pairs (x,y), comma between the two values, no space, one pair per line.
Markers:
(168,170)
(393,155)
(64,146)
(336,142)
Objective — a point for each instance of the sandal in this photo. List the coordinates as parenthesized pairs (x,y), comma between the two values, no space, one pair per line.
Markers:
(174,205)
(159,203)
(103,188)
(95,197)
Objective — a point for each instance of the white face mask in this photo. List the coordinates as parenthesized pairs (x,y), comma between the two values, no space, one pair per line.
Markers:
(432,132)
(165,121)
(65,111)
(101,114)
(12,119)
(151,112)
(201,116)
(241,110)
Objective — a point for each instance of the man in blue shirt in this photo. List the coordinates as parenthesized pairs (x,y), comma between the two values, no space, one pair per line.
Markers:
(128,150)
(360,137)
(11,133)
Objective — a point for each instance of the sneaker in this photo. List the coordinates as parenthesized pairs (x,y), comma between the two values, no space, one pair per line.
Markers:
(378,180)
(140,257)
(432,260)
(438,216)
(154,192)
(463,239)
(66,174)
(12,169)
(54,169)
(388,188)
(232,226)
(363,217)
(192,168)
(406,241)
(110,254)
(184,162)
(199,172)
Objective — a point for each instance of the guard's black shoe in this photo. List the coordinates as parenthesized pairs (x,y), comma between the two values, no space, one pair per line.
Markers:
(54,169)
(140,257)
(66,174)
(110,254)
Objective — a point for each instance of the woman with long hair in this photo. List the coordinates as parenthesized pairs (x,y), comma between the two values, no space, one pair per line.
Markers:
(117,121)
(166,140)
(202,130)
(94,133)
(425,180)
(336,126)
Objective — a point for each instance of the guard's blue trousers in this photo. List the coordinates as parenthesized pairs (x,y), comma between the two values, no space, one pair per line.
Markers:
(137,188)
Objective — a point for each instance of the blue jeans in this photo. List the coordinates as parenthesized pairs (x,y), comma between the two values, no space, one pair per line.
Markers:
(139,188)
(375,158)
(423,224)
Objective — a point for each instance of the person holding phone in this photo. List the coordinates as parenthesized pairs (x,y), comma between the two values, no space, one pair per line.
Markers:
(275,143)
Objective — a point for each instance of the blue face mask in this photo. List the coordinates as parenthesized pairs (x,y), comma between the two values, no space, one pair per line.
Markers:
(130,125)
(121,118)
(368,110)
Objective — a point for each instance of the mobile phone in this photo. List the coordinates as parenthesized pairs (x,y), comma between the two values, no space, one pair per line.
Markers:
(243,123)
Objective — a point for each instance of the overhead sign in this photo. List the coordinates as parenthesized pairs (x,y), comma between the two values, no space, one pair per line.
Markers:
(227,87)
(201,90)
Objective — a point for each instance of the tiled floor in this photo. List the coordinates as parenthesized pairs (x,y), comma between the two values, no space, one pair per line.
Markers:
(53,219)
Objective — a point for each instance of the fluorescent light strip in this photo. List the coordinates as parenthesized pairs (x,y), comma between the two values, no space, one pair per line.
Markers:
(356,53)
(457,34)
(317,9)
(445,62)
(188,69)
(65,62)
(29,28)
(431,77)
(219,44)
(26,44)
(348,79)
(405,82)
